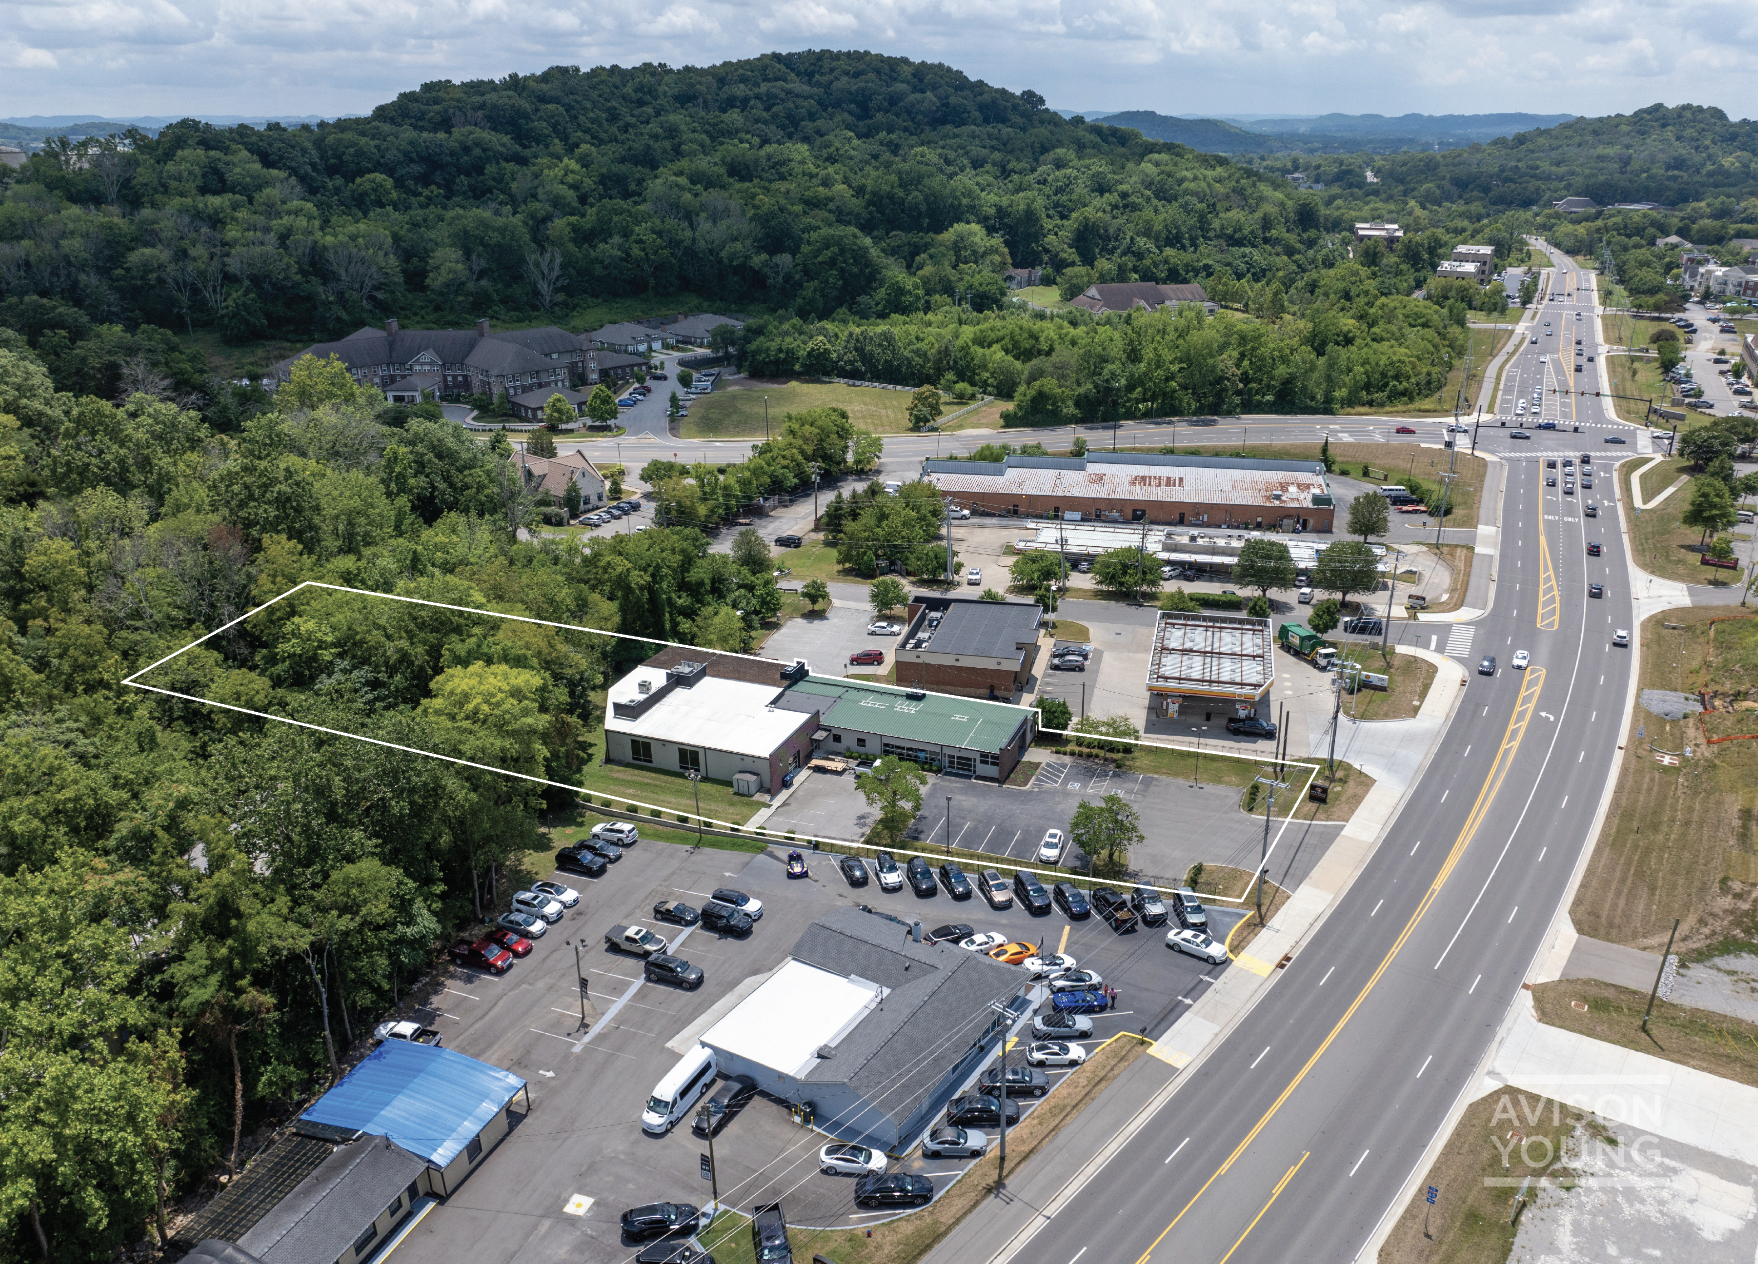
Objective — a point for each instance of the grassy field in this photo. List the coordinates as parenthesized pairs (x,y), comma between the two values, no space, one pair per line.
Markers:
(987,417)
(1469,1222)
(1683,841)
(1069,630)
(1410,678)
(1483,345)
(1224,881)
(908,1238)
(672,791)
(1665,546)
(572,826)
(737,412)
(1043,295)
(1713,1043)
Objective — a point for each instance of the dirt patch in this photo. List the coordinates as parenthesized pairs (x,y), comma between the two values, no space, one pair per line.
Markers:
(1681,840)
(1698,1038)
(1469,1221)
(909,1238)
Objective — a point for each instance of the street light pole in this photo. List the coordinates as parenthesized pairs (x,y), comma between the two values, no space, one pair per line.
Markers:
(707,1122)
(949,826)
(1386,628)
(696,786)
(580,979)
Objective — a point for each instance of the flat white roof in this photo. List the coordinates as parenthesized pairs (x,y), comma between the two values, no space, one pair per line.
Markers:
(1211,655)
(726,715)
(784,1023)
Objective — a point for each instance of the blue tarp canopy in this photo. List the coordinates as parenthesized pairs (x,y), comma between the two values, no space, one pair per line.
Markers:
(428,1100)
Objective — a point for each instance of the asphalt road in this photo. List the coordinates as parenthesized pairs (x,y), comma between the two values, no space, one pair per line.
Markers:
(1296,1135)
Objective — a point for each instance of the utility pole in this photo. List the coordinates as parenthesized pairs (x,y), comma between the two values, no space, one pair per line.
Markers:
(580,978)
(946,510)
(1336,714)
(707,1123)
(766,419)
(1386,628)
(1001,1173)
(1264,853)
(816,471)
(1658,974)
(1446,488)
(949,826)
(696,785)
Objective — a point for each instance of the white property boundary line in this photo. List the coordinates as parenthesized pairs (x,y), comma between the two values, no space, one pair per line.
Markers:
(133,682)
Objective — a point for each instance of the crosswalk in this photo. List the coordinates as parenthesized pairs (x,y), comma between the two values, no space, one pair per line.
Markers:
(1459,640)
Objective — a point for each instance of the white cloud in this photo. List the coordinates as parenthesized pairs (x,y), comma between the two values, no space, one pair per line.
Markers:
(1175,56)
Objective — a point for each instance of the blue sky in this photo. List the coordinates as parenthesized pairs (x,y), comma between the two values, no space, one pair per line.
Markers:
(143,57)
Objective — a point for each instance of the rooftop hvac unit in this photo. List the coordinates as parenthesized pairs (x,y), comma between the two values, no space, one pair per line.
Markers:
(643,687)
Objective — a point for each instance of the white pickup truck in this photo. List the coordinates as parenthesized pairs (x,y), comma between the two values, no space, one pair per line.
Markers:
(637,940)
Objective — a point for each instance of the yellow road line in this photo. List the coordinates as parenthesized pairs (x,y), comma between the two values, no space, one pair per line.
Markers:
(1549,603)
(1063,945)
(1274,1194)
(1516,730)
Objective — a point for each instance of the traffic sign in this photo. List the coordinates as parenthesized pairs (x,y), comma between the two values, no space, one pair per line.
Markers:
(1434,1192)
(708,1170)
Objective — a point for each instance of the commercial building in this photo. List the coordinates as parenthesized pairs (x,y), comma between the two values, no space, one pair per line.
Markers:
(1575,205)
(870,1030)
(1210,491)
(1481,258)
(1210,554)
(405,1127)
(405,363)
(967,646)
(1212,665)
(1378,230)
(1458,270)
(747,721)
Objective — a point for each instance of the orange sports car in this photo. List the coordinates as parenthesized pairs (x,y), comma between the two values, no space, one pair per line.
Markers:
(1013,954)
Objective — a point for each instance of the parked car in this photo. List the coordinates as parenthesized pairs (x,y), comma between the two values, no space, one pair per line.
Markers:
(724,917)
(666,968)
(900,1189)
(1045,1053)
(952,878)
(1250,726)
(1022,1081)
(1030,893)
(1079,1002)
(728,1100)
(982,941)
(769,1235)
(948,1142)
(582,859)
(883,628)
(1076,981)
(1069,899)
(622,833)
(952,932)
(483,954)
(921,877)
(749,905)
(1048,965)
(1057,1025)
(995,889)
(1189,910)
(538,905)
(1113,906)
(1148,905)
(518,945)
(982,1110)
(1013,954)
(854,870)
(523,924)
(788,542)
(676,912)
(1070,663)
(890,877)
(845,1159)
(1196,944)
(656,1220)
(973,576)
(567,897)
(1050,850)
(860,657)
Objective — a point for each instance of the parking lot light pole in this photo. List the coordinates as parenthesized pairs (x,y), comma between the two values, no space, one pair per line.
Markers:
(1001,1112)
(696,785)
(579,979)
(713,1170)
(949,827)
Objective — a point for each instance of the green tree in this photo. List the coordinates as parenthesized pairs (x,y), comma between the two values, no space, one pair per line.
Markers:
(685,377)
(867,449)
(819,359)
(1325,616)
(720,628)
(1105,832)
(1264,564)
(1669,355)
(924,408)
(815,591)
(1032,571)
(894,788)
(558,414)
(1345,567)
(751,553)
(1054,713)
(1126,570)
(571,496)
(989,594)
(1259,608)
(1370,514)
(1045,402)
(312,383)
(1712,507)
(601,406)
(1330,462)
(886,594)
(1180,601)
(540,442)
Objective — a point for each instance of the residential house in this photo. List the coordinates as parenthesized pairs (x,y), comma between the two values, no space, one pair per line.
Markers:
(1737,282)
(1668,242)
(553,474)
(1379,230)
(408,364)
(614,366)
(1021,278)
(1575,205)
(631,339)
(1128,295)
(698,329)
(531,404)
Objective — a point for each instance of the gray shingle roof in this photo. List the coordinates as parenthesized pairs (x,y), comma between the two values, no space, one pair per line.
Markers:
(989,628)
(518,350)
(328,1210)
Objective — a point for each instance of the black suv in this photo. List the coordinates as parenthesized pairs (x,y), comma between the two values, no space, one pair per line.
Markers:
(896,1189)
(1070,900)
(665,968)
(769,1235)
(1148,905)
(718,916)
(921,877)
(1114,909)
(676,911)
(1022,1081)
(788,542)
(981,1111)
(957,885)
(1250,726)
(728,1100)
(657,1220)
(673,1251)
(581,860)
(1030,893)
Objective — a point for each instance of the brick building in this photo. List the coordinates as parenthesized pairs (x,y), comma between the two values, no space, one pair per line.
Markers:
(1237,492)
(969,647)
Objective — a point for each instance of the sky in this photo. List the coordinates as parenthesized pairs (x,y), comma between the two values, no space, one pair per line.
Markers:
(176,57)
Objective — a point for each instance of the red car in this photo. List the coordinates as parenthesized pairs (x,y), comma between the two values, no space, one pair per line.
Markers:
(1406,430)
(518,945)
(482,955)
(867,656)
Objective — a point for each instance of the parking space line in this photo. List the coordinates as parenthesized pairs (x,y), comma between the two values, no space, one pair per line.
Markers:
(454,991)
(551,1034)
(607,974)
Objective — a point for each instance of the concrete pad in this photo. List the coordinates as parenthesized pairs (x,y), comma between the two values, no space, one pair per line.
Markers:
(1611,963)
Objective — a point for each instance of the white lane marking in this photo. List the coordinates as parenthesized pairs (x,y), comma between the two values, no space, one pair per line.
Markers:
(551,1035)
(1445,793)
(1413,849)
(1541,852)
(1485,712)
(1258,1059)
(1565,802)
(1511,915)
(1467,752)
(1474,983)
(1359,1162)
(1078,1254)
(1580,757)
(1174,1153)
(1425,1063)
(1321,982)
(1376,908)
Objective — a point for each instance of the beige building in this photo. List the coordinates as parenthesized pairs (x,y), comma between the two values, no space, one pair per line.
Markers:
(1482,258)
(1379,230)
(553,474)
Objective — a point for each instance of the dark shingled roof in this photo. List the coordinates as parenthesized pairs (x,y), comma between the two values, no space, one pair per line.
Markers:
(248,1198)
(321,1218)
(938,1005)
(501,351)
(991,629)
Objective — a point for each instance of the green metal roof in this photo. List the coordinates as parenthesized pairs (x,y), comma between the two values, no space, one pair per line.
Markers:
(930,719)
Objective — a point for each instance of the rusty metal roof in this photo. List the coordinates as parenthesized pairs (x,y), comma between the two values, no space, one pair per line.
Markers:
(1137,476)
(1211,655)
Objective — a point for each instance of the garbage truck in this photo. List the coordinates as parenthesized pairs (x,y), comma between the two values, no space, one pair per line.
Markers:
(1299,639)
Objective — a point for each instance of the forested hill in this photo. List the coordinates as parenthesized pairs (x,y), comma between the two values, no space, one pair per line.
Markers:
(1209,135)
(1667,155)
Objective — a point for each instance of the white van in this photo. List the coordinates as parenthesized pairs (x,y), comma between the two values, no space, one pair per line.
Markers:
(891,489)
(1304,596)
(678,1091)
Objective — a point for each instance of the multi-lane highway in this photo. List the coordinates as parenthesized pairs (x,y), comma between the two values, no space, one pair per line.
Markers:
(1296,1134)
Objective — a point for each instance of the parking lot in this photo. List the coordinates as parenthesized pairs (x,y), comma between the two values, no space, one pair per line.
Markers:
(825,640)
(554,1189)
